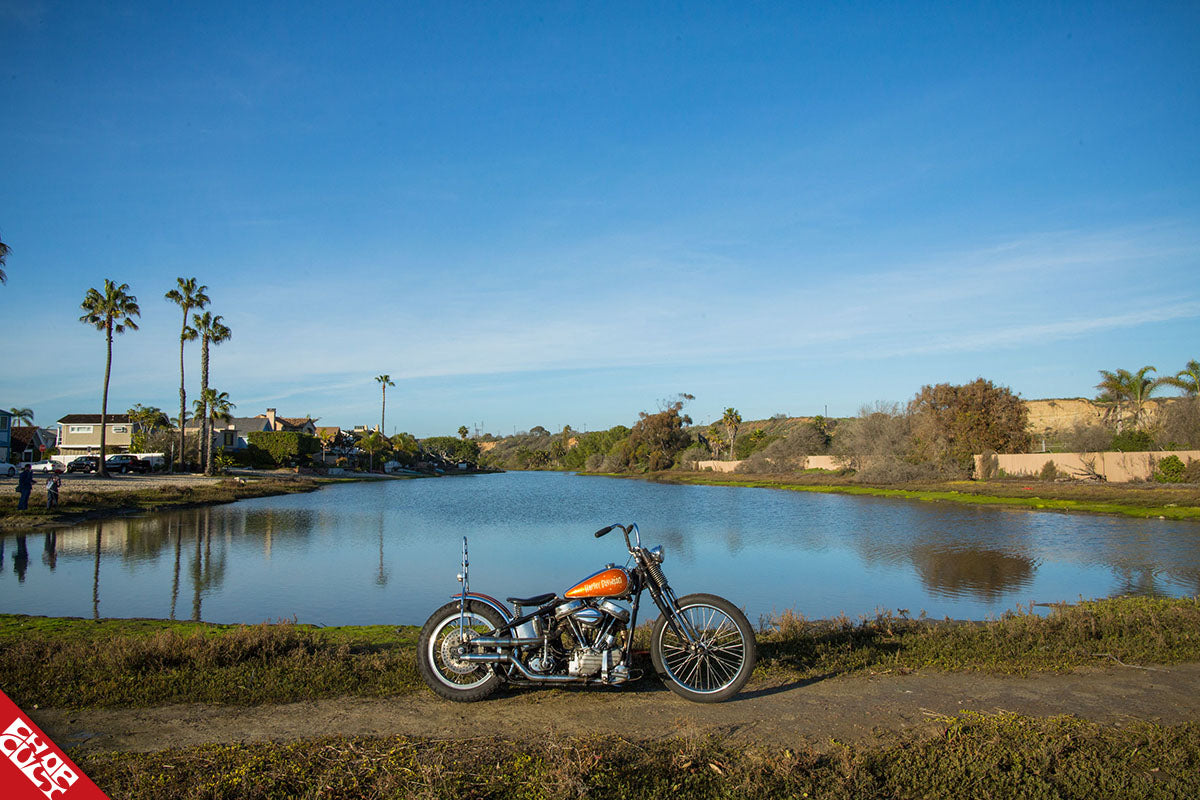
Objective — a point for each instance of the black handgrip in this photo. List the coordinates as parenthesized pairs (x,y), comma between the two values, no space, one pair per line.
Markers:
(603,531)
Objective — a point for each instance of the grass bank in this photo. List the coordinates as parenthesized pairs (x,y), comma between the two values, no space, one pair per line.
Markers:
(79,504)
(969,756)
(56,662)
(1134,500)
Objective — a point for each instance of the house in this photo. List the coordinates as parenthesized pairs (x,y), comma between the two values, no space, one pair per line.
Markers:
(29,443)
(299,424)
(235,434)
(5,436)
(79,434)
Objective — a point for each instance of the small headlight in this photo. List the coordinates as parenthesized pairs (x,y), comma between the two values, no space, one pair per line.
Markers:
(657,553)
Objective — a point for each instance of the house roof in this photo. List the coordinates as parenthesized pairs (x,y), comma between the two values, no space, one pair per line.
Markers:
(93,419)
(24,437)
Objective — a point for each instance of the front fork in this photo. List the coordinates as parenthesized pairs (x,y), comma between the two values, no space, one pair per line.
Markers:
(666,601)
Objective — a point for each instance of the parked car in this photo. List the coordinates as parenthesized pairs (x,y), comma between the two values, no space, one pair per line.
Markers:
(84,464)
(123,462)
(9,470)
(46,466)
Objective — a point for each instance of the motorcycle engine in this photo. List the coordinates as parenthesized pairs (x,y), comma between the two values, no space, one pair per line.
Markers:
(600,625)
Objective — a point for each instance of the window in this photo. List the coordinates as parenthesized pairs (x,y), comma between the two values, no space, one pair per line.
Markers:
(80,429)
(228,440)
(3,423)
(120,429)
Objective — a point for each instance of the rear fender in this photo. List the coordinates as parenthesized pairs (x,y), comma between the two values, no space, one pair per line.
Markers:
(487,601)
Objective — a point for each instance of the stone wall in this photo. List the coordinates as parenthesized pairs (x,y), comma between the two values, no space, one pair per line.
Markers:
(1112,467)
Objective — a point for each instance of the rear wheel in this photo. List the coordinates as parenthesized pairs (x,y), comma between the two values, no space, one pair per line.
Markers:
(716,664)
(437,652)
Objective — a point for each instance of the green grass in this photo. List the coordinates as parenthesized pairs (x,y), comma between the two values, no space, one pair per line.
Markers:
(970,756)
(82,503)
(1146,501)
(117,663)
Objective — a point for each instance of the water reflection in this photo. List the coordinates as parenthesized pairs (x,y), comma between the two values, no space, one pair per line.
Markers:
(370,553)
(981,573)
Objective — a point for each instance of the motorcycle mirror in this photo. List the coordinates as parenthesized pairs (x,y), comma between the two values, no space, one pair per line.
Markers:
(603,531)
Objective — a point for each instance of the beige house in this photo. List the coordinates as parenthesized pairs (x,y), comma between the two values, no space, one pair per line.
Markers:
(79,435)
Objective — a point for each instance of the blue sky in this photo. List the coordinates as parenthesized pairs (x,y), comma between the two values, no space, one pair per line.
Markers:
(542,214)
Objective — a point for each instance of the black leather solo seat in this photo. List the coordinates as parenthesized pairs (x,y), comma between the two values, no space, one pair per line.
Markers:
(536,600)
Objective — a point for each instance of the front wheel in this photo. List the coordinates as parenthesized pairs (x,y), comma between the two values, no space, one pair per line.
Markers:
(716,664)
(437,651)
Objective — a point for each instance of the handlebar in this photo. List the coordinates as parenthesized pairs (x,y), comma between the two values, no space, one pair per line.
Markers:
(625,529)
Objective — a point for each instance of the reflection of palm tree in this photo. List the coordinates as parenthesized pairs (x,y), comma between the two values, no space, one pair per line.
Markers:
(204,574)
(96,574)
(381,578)
(178,549)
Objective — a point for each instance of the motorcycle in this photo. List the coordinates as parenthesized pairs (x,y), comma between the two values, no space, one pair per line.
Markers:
(702,646)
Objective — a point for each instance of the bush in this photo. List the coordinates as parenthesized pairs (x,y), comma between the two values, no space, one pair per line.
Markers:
(1049,471)
(285,448)
(889,469)
(1085,438)
(1132,441)
(1191,474)
(1170,470)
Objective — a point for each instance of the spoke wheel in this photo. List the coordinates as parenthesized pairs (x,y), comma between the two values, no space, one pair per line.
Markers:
(717,664)
(438,651)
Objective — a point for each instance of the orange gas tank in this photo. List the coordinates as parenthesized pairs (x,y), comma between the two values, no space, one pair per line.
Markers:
(609,582)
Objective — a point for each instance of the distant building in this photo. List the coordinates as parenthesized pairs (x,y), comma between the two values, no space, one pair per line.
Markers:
(5,436)
(30,443)
(79,434)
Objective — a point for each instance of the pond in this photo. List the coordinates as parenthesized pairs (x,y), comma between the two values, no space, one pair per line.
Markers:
(388,552)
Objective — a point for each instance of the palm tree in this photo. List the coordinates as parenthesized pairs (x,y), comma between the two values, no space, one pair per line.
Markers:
(463,432)
(187,294)
(211,407)
(384,382)
(1187,379)
(1124,386)
(111,312)
(371,444)
(22,416)
(212,331)
(4,251)
(731,419)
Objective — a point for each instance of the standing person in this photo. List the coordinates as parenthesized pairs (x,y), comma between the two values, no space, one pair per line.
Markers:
(52,484)
(24,486)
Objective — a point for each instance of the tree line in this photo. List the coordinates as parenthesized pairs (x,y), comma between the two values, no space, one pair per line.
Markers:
(935,435)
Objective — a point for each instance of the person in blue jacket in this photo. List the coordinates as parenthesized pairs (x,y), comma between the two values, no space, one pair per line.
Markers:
(24,486)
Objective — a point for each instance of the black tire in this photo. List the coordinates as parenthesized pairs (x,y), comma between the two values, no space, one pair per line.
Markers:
(727,656)
(462,682)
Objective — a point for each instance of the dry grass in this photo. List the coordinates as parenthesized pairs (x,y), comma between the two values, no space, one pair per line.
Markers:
(970,756)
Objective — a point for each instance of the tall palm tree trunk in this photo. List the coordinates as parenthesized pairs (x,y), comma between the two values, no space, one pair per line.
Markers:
(182,398)
(205,422)
(382,412)
(104,401)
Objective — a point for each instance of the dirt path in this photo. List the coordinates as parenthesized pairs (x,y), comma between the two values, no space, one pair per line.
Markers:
(844,708)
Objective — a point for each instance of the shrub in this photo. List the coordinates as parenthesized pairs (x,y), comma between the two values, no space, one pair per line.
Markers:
(1049,471)
(285,448)
(1191,474)
(1170,470)
(1132,441)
